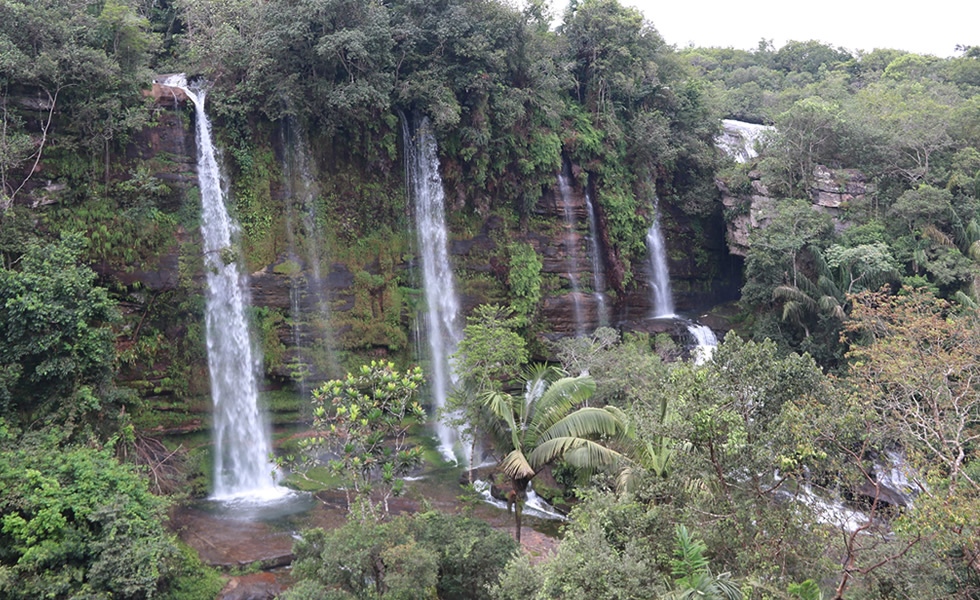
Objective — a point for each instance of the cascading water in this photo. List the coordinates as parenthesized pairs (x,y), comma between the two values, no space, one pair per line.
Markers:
(442,319)
(661,296)
(241,438)
(598,274)
(738,139)
(663,302)
(705,342)
(301,228)
(565,193)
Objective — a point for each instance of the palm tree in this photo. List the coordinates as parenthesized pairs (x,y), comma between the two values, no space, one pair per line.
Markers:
(543,425)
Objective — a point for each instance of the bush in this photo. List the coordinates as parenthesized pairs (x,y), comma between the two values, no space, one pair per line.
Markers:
(75,523)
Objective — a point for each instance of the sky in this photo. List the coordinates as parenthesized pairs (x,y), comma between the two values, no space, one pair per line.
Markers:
(925,27)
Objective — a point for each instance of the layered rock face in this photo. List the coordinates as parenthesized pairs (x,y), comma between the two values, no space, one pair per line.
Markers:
(830,191)
(702,271)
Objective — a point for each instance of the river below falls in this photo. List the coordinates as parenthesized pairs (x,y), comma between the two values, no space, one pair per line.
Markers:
(235,535)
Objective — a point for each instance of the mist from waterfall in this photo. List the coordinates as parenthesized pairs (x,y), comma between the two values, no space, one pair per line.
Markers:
(566,195)
(442,329)
(303,235)
(242,468)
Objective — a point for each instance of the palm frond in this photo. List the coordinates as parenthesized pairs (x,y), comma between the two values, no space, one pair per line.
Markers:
(516,465)
(587,422)
(502,406)
(576,451)
(974,251)
(791,293)
(931,232)
(556,401)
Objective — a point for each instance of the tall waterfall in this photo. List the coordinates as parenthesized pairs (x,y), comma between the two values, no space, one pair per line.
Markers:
(661,296)
(598,273)
(565,191)
(442,320)
(241,437)
(303,235)
(663,301)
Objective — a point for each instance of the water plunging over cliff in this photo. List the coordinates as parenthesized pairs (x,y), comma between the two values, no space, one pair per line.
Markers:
(241,438)
(565,193)
(661,296)
(663,301)
(598,273)
(442,319)
(738,139)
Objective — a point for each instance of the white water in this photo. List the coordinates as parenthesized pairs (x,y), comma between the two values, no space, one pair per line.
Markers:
(662,298)
(442,320)
(738,139)
(598,273)
(242,469)
(705,341)
(565,192)
(534,506)
(663,301)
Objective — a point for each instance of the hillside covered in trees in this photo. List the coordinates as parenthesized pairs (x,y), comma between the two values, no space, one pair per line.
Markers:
(828,447)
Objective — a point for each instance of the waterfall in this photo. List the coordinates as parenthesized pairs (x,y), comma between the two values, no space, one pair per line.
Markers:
(661,297)
(663,302)
(598,274)
(301,229)
(704,340)
(442,319)
(738,139)
(241,438)
(565,192)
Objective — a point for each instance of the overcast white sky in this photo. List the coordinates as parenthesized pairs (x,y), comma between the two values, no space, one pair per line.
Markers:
(922,26)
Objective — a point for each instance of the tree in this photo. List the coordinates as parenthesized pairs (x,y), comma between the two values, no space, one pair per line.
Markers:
(541,426)
(420,556)
(490,355)
(914,363)
(364,419)
(56,346)
(75,523)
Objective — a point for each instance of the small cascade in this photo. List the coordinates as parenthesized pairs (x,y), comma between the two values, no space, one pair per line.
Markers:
(663,301)
(738,139)
(304,238)
(565,193)
(534,506)
(442,319)
(705,342)
(598,273)
(242,469)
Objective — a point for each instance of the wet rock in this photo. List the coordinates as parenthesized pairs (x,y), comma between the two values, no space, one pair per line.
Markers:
(257,586)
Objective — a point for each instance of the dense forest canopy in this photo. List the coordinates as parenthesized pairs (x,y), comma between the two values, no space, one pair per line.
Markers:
(852,355)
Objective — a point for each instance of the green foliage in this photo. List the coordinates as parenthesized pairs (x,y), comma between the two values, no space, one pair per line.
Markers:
(427,555)
(490,356)
(524,279)
(364,418)
(57,352)
(543,426)
(375,320)
(612,548)
(76,523)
